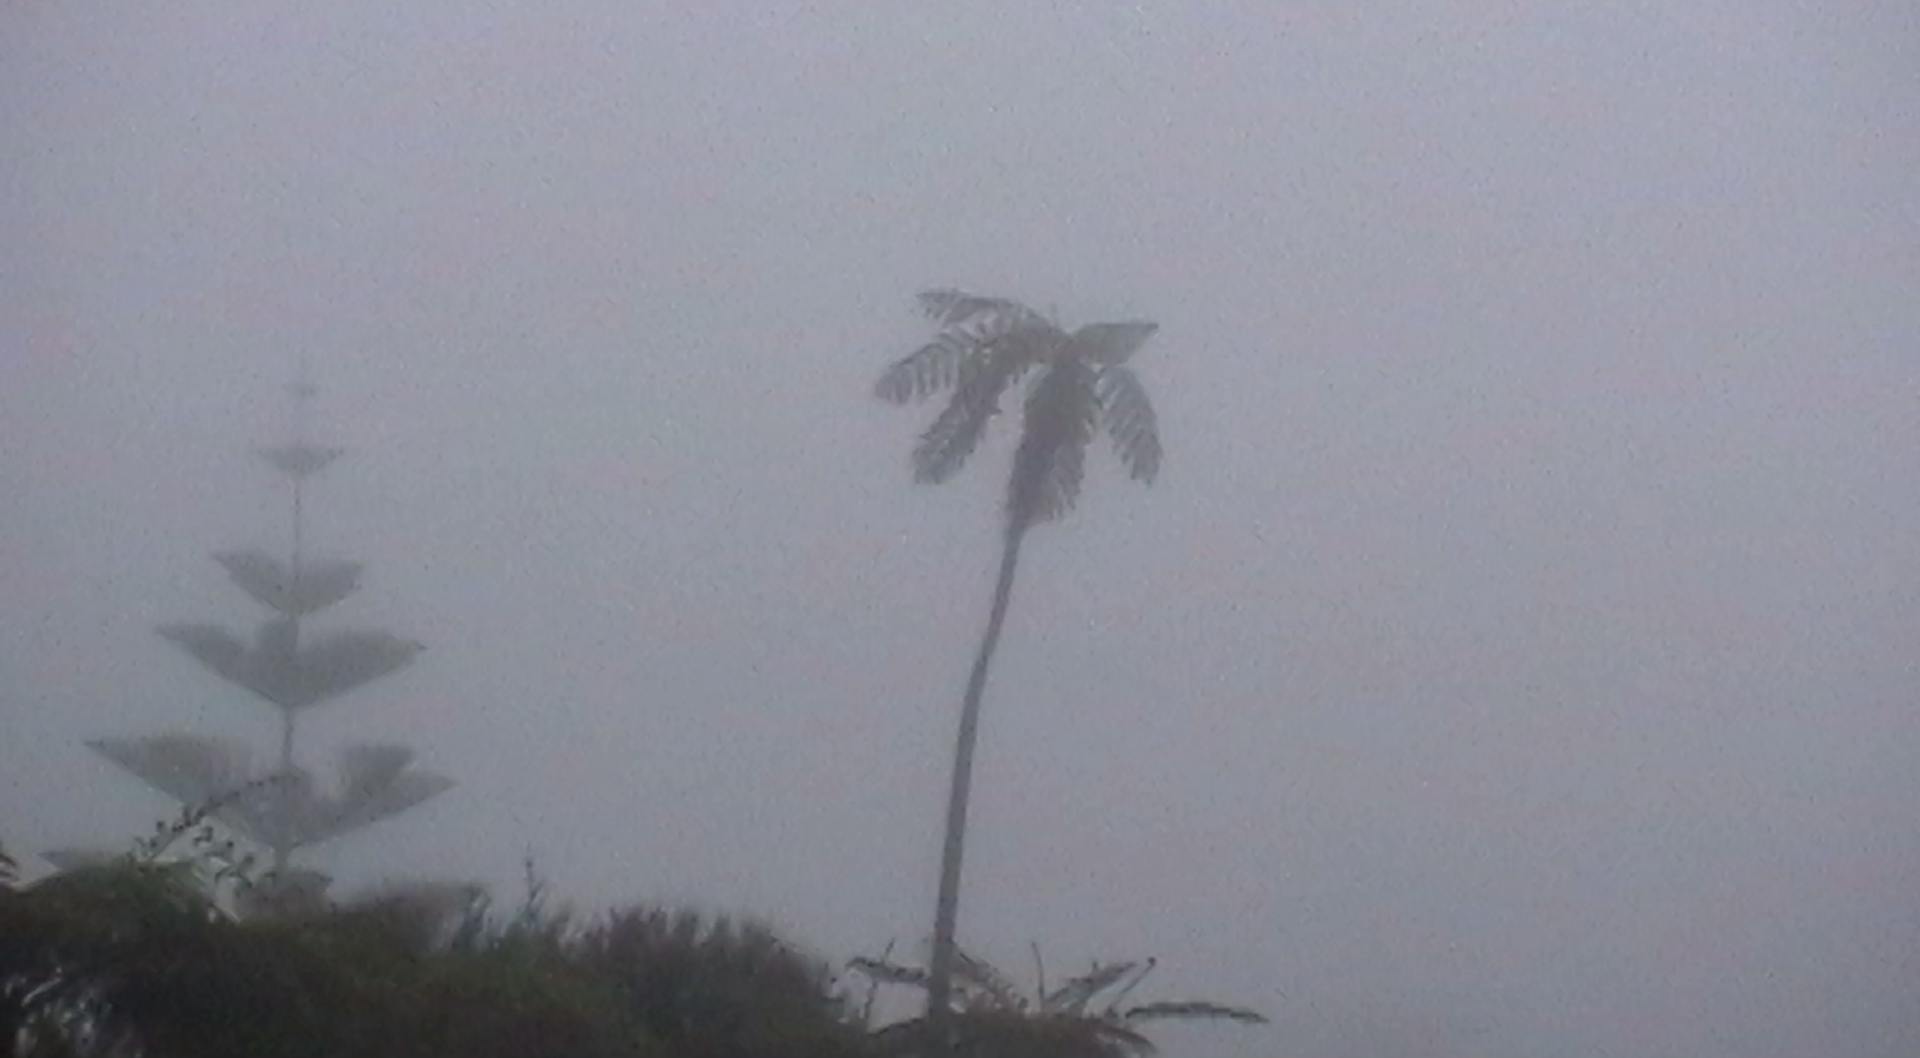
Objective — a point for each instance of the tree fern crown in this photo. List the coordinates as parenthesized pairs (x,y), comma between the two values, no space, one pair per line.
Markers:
(983,348)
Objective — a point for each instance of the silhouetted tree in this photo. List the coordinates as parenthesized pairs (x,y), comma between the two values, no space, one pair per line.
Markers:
(984,348)
(294,671)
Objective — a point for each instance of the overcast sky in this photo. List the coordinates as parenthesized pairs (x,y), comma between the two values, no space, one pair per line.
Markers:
(1515,659)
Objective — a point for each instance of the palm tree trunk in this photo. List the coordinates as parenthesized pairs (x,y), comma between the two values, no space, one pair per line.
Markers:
(946,912)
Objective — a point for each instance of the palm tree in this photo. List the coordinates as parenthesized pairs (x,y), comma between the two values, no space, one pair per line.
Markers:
(985,347)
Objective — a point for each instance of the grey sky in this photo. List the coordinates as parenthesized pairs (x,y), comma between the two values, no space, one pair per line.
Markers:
(1516,658)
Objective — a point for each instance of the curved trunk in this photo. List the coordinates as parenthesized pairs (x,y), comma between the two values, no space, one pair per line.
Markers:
(940,972)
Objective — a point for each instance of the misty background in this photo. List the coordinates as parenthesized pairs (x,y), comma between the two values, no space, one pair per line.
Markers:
(1517,656)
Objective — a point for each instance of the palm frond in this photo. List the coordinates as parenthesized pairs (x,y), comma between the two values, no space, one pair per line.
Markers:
(1128,417)
(1121,1037)
(299,460)
(888,972)
(1193,1009)
(945,446)
(933,367)
(967,345)
(1126,990)
(1073,996)
(949,307)
(1050,463)
(982,977)
(1111,344)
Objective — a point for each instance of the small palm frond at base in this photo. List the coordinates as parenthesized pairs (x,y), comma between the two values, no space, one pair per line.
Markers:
(992,987)
(1194,1009)
(1076,993)
(888,972)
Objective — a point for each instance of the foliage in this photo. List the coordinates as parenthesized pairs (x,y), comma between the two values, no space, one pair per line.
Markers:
(718,988)
(291,671)
(1085,1016)
(131,958)
(373,781)
(984,348)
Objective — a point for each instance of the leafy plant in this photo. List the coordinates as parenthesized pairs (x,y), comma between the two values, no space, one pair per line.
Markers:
(1084,1017)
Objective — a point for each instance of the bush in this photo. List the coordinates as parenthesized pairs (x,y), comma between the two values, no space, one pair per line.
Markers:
(132,959)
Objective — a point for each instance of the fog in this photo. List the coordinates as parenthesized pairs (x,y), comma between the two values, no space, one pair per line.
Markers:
(1516,656)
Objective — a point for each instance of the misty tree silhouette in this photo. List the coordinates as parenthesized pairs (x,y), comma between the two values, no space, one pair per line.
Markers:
(286,808)
(984,348)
